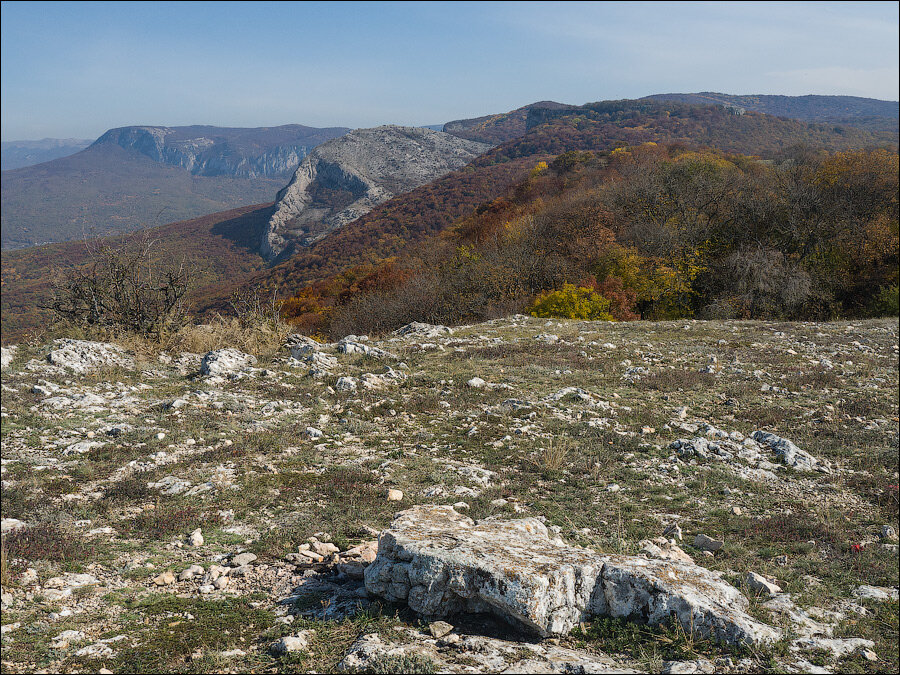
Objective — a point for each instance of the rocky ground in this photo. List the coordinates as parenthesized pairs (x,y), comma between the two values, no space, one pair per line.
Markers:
(680,496)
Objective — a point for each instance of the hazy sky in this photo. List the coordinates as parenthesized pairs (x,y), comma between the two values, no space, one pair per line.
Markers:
(77,69)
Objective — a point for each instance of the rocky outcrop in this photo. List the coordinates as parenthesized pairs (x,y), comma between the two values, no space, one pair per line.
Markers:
(442,563)
(227,362)
(224,151)
(345,178)
(7,354)
(82,356)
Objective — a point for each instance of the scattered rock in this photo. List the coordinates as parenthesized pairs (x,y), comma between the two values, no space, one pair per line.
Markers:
(196,538)
(439,629)
(875,593)
(164,579)
(704,543)
(227,362)
(291,644)
(761,584)
(242,559)
(394,495)
(8,525)
(790,454)
(7,354)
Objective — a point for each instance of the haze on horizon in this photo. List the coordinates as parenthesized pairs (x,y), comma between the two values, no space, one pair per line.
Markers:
(74,70)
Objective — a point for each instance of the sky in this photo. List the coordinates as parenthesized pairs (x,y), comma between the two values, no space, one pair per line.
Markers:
(74,70)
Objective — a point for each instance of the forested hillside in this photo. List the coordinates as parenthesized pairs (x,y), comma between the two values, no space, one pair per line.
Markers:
(649,231)
(340,262)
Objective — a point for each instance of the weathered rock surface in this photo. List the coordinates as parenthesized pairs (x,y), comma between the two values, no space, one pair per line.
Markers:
(365,168)
(226,362)
(471,654)
(442,563)
(82,356)
(789,453)
(7,354)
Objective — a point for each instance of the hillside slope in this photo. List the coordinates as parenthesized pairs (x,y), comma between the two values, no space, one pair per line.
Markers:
(633,438)
(392,226)
(215,247)
(389,228)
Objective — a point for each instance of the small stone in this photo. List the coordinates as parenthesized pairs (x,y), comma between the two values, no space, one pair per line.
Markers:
(394,495)
(164,579)
(220,583)
(243,559)
(760,584)
(160,436)
(311,556)
(476,383)
(439,629)
(325,549)
(736,510)
(869,655)
(190,573)
(196,538)
(290,644)
(705,543)
(673,530)
(888,533)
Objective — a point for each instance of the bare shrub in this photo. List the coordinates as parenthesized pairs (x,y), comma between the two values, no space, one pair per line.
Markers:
(253,309)
(123,289)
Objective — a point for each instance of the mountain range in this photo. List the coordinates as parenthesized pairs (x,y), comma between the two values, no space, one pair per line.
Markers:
(359,198)
(142,176)
(16,154)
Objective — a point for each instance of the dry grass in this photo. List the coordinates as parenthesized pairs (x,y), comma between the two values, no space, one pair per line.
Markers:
(554,457)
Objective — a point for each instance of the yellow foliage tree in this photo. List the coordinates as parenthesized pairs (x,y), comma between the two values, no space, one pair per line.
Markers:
(539,169)
(571,302)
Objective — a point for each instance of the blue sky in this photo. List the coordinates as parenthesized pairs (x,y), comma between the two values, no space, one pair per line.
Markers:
(77,69)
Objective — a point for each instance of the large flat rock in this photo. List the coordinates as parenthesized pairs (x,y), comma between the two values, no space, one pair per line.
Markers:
(442,563)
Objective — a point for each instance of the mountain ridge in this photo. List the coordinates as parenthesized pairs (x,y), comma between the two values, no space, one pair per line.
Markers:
(346,177)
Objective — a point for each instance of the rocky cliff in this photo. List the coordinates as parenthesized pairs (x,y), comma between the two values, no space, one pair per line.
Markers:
(345,178)
(223,151)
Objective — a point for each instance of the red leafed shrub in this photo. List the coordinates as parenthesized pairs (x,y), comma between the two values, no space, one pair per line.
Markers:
(46,541)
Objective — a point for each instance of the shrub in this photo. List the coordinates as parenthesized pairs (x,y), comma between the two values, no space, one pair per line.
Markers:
(887,302)
(571,302)
(125,289)
(168,520)
(46,541)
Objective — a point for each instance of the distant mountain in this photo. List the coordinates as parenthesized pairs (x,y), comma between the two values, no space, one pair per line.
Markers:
(16,154)
(136,177)
(263,152)
(871,114)
(345,178)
